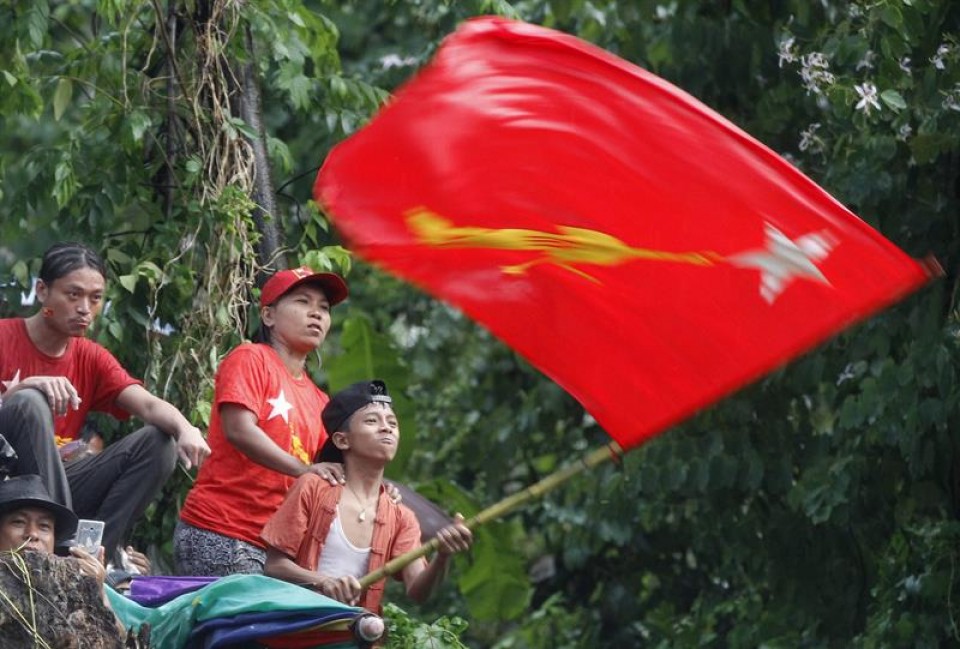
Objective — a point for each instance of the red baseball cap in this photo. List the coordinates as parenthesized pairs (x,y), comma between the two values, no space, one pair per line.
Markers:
(283,281)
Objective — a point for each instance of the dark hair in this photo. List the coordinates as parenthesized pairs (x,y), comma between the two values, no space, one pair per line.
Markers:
(67,256)
(263,335)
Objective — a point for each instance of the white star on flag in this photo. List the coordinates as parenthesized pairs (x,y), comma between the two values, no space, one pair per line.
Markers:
(783,259)
(12,382)
(280,407)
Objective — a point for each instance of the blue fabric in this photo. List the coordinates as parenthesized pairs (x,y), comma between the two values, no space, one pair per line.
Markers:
(247,627)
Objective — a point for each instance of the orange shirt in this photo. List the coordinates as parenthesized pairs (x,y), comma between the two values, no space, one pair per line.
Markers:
(299,530)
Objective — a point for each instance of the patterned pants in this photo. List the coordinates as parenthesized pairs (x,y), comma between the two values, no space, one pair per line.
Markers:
(202,553)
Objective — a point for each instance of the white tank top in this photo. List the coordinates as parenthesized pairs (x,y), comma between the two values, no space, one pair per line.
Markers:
(340,557)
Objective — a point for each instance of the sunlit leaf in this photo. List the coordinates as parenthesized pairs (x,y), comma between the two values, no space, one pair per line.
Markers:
(62,97)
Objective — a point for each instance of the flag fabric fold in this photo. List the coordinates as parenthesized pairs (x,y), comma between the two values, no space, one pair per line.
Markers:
(240,610)
(631,243)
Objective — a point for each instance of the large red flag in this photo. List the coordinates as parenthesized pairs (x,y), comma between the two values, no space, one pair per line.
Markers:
(637,247)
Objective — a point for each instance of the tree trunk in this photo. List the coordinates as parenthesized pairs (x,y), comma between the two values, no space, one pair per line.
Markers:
(46,603)
(265,212)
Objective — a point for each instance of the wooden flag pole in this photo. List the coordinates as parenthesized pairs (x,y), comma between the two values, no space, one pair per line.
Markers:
(505,506)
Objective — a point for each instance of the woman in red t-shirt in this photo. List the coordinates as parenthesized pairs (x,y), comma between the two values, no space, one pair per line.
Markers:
(265,429)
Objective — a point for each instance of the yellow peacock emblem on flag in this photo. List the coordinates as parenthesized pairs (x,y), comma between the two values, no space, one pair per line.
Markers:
(779,261)
(566,248)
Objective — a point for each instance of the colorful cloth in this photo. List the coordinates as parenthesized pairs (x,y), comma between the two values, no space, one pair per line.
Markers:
(299,529)
(233,495)
(237,609)
(96,375)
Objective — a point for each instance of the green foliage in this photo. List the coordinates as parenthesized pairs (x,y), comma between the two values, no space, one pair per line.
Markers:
(554,622)
(817,508)
(495,584)
(405,632)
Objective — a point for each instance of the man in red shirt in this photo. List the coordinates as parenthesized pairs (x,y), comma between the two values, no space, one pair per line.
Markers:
(51,376)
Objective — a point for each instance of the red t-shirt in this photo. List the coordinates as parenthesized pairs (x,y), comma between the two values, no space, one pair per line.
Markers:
(95,374)
(233,495)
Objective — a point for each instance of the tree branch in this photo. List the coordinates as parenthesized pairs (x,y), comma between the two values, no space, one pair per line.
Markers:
(251,110)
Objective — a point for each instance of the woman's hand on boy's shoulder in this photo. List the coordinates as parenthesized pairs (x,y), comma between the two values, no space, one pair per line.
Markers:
(332,472)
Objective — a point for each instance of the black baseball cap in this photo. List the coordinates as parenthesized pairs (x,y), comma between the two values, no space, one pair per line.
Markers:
(341,406)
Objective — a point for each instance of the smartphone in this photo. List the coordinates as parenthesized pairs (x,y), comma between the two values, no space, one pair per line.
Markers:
(89,535)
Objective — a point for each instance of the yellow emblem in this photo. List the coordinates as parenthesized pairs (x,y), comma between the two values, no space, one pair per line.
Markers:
(297,449)
(567,248)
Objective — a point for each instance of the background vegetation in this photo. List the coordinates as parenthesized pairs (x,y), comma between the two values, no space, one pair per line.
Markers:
(817,508)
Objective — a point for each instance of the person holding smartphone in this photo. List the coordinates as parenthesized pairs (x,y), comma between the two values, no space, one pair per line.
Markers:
(31,521)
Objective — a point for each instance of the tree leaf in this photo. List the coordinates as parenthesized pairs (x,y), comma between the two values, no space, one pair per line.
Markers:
(890,14)
(893,99)
(62,97)
(128,282)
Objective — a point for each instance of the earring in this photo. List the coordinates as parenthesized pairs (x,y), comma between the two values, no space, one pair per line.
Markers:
(47,312)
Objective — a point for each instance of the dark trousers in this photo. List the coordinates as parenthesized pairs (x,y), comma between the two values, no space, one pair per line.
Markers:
(114,486)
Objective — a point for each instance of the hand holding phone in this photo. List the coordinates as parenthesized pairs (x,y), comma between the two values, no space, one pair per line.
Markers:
(89,535)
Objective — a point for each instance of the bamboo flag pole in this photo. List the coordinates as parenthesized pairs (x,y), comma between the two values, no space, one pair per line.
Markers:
(505,506)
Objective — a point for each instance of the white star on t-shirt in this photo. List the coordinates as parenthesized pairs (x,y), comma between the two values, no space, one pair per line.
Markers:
(280,407)
(12,382)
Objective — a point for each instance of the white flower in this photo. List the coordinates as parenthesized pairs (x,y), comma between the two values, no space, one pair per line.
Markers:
(937,59)
(905,65)
(663,12)
(868,97)
(809,139)
(866,63)
(787,51)
(847,374)
(394,61)
(904,132)
(815,60)
(814,72)
(952,102)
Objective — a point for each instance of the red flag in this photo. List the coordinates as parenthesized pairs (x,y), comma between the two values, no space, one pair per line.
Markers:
(637,247)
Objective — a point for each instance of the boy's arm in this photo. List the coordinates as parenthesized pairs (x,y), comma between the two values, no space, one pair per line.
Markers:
(420,579)
(280,566)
